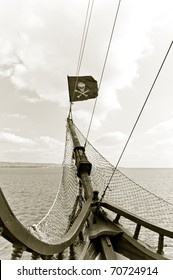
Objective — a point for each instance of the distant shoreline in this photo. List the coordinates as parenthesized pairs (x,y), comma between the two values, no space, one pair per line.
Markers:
(57,165)
(26,164)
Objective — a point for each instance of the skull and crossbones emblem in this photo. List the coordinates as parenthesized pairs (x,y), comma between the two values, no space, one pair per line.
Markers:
(81,90)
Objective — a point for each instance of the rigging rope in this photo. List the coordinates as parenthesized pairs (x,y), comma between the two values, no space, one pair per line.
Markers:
(84,36)
(82,46)
(128,195)
(130,135)
(103,69)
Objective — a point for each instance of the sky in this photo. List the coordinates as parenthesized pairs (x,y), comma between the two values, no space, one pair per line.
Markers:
(39,46)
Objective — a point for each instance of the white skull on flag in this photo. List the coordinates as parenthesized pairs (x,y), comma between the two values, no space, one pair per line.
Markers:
(81,90)
(81,86)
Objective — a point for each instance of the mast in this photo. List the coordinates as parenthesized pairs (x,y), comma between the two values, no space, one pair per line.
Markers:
(82,164)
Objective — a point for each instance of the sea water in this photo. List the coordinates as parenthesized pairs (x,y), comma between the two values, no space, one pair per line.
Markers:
(30,191)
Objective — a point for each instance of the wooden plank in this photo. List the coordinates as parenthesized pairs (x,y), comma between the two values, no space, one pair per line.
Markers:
(101,228)
(107,249)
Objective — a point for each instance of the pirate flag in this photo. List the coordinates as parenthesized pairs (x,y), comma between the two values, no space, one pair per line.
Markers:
(82,88)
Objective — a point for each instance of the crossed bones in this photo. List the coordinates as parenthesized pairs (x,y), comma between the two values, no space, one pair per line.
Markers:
(82,93)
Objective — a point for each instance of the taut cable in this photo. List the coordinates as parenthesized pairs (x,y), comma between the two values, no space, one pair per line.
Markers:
(130,135)
(103,69)
(82,46)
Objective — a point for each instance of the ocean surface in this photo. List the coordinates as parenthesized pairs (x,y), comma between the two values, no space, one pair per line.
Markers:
(30,191)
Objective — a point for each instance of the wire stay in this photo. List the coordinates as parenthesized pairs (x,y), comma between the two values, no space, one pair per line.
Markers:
(103,69)
(130,135)
(82,46)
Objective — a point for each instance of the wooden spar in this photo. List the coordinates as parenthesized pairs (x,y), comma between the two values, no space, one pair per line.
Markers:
(81,161)
(16,233)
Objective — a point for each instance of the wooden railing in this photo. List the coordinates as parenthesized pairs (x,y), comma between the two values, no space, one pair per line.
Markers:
(22,239)
(17,234)
(139,222)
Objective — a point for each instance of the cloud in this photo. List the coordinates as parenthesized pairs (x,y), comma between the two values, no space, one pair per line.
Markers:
(153,148)
(39,47)
(163,128)
(39,149)
(84,116)
(11,130)
(14,139)
(31,20)
(31,99)
(105,104)
(16,116)
(163,135)
(52,143)
(35,52)
(111,138)
(157,154)
(36,35)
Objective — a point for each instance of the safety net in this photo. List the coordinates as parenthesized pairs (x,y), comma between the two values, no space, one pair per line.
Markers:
(122,192)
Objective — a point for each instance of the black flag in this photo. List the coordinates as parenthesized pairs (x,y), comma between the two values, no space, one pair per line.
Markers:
(82,88)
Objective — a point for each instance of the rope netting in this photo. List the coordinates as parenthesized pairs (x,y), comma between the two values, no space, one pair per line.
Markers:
(122,192)
(130,196)
(57,221)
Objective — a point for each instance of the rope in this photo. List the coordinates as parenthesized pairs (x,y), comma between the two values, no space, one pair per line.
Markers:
(84,36)
(103,70)
(82,46)
(130,135)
